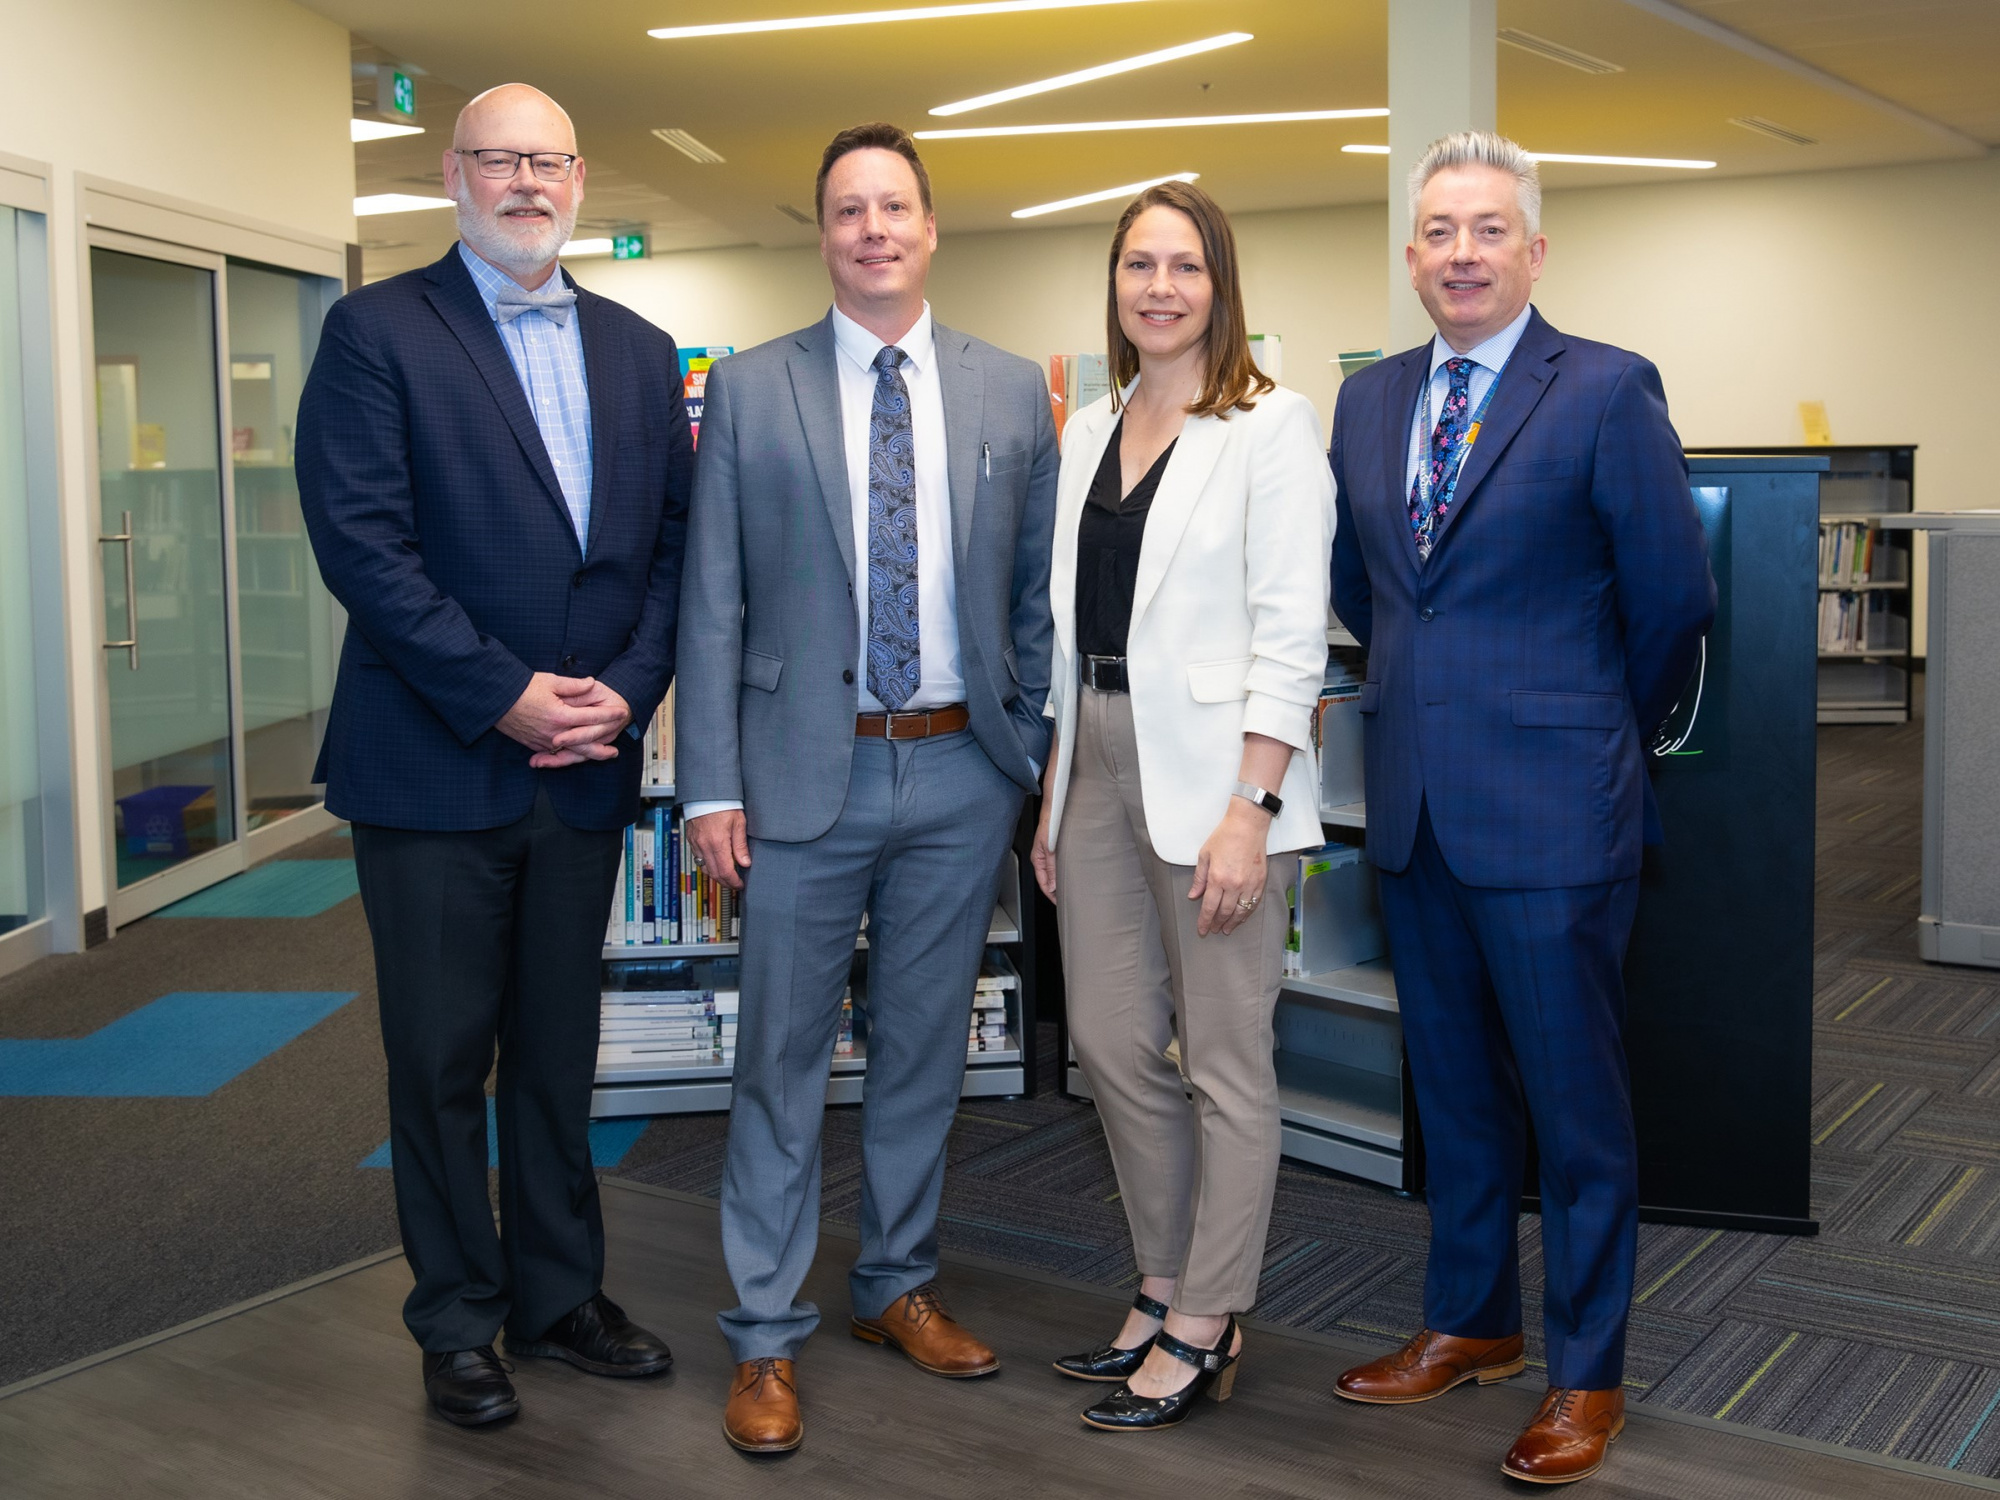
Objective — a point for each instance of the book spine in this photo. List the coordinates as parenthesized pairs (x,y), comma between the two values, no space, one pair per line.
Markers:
(649,931)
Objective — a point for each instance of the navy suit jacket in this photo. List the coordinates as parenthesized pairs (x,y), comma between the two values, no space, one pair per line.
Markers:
(1514,677)
(438,523)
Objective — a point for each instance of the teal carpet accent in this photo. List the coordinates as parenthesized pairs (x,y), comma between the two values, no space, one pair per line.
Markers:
(277,888)
(609,1141)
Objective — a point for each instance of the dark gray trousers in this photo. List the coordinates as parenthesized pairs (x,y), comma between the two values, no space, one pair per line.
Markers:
(491,941)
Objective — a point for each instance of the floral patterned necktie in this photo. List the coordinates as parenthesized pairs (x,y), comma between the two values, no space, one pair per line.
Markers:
(895,666)
(1427,513)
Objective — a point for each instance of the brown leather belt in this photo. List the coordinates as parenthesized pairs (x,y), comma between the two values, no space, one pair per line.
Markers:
(918,724)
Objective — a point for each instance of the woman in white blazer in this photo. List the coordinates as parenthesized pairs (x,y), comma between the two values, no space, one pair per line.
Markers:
(1194,524)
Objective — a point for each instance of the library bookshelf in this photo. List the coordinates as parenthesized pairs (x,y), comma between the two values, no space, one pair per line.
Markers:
(625,1088)
(1866,578)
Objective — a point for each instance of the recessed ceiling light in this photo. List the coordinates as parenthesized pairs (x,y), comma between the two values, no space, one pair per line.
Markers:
(874,17)
(397,203)
(586,247)
(797,216)
(359,129)
(1091,75)
(1131,189)
(1569,57)
(1366,150)
(691,148)
(1773,129)
(1622,161)
(1288,117)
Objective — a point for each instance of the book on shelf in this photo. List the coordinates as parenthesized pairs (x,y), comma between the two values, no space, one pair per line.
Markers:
(695,365)
(1859,623)
(1850,551)
(1336,730)
(1076,380)
(658,751)
(843,1036)
(661,897)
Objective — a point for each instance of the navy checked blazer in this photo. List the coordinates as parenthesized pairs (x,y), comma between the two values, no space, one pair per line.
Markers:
(439,524)
(1514,678)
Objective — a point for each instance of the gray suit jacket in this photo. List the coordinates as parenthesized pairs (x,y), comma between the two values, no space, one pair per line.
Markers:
(765,704)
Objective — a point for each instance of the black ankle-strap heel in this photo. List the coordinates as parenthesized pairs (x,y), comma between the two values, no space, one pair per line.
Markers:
(1107,1361)
(1214,1375)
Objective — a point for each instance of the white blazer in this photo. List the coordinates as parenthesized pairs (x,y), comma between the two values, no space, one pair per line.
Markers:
(1228,633)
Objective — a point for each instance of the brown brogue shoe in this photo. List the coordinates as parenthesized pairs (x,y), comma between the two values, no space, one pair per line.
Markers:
(1429,1365)
(763,1411)
(1566,1440)
(918,1325)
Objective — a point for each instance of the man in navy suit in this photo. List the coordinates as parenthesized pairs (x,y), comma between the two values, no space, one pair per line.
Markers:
(1519,553)
(494,466)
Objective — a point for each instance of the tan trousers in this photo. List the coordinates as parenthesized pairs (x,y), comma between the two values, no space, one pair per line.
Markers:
(1196,1175)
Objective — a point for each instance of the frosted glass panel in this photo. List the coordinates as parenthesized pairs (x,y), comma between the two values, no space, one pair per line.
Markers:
(289,624)
(20,771)
(159,462)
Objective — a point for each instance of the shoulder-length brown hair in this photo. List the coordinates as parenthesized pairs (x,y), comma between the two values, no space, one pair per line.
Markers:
(1232,381)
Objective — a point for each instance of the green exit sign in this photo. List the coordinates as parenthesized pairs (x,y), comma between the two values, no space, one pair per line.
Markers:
(395,92)
(628,247)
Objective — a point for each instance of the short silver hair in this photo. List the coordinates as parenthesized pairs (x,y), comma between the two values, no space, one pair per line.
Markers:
(1481,148)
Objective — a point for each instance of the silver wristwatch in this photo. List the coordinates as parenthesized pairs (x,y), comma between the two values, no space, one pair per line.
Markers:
(1271,802)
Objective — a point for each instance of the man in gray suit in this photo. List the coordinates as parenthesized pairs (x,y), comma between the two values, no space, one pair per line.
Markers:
(864,659)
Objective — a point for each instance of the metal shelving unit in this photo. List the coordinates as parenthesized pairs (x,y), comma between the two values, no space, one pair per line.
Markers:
(640,1088)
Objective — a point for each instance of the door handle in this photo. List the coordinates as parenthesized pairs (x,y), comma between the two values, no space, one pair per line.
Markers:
(129,647)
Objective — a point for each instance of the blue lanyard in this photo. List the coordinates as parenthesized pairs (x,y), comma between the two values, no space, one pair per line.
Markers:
(1427,511)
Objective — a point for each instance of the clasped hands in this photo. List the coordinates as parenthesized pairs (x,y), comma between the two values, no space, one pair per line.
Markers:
(566,720)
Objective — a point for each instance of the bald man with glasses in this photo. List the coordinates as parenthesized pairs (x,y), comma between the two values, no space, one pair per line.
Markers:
(494,466)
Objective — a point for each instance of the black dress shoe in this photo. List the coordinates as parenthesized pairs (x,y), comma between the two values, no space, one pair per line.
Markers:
(1214,1375)
(1107,1361)
(598,1337)
(470,1386)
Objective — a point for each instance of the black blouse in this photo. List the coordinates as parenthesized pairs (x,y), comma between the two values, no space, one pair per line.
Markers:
(1107,550)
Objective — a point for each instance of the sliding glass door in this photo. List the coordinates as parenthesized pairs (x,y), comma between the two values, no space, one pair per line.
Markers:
(219,637)
(21,895)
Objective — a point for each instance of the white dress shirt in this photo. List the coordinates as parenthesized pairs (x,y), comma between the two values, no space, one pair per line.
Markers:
(937,570)
(943,679)
(1487,358)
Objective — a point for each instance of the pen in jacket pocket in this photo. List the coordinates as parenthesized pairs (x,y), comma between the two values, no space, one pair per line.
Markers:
(986,457)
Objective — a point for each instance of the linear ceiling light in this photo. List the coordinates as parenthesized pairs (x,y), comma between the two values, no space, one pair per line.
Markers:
(397,203)
(1773,129)
(1288,117)
(359,129)
(1366,150)
(1569,57)
(1622,161)
(689,147)
(1091,75)
(586,247)
(874,17)
(1131,189)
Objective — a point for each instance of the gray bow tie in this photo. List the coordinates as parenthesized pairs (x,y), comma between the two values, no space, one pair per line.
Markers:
(515,300)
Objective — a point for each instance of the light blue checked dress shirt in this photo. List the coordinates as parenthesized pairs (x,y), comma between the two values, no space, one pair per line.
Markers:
(549,360)
(1487,360)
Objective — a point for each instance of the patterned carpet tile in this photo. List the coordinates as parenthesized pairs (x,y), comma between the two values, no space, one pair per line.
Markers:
(1310,1282)
(1861,1114)
(1877,1053)
(1986,1083)
(1906,1002)
(1923,1203)
(1835,1174)
(1905,1298)
(1890,885)
(1692,1271)
(1900,1402)
(1963,1128)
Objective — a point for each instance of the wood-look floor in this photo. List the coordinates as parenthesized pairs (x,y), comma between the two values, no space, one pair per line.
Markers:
(318,1394)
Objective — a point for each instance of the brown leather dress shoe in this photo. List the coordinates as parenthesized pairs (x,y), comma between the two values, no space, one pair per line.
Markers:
(918,1325)
(1429,1365)
(763,1411)
(1566,1440)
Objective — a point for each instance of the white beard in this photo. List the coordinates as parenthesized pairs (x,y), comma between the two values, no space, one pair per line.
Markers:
(506,242)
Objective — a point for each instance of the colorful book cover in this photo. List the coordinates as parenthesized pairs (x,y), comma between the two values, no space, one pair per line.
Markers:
(695,365)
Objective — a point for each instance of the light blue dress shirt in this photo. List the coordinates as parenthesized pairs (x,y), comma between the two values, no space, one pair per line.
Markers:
(1487,359)
(549,360)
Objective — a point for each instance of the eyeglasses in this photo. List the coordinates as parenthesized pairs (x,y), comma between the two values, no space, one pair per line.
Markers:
(550,166)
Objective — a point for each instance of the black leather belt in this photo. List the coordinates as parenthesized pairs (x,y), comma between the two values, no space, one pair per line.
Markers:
(1106,674)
